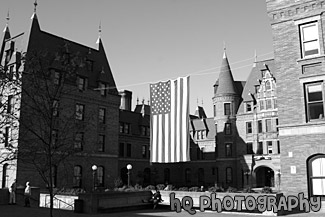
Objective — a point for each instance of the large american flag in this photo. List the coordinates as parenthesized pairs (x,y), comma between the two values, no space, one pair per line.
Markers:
(169,129)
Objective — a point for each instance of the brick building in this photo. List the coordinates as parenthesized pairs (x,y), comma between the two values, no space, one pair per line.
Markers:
(298,39)
(89,106)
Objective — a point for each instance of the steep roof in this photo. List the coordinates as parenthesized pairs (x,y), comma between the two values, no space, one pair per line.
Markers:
(253,80)
(200,113)
(204,124)
(226,80)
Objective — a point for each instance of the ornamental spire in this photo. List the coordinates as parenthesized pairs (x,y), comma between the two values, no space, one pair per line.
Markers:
(99,32)
(34,14)
(6,29)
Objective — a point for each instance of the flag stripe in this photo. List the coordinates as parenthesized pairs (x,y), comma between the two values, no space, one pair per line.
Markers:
(172,118)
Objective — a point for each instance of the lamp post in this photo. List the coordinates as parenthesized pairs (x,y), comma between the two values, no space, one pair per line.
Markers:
(279,179)
(129,167)
(94,168)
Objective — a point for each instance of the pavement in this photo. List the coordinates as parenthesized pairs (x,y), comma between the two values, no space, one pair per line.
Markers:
(20,211)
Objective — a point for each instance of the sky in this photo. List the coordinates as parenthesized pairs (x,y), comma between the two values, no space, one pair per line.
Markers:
(147,41)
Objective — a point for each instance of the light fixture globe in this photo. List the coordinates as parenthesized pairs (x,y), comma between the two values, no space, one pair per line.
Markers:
(94,167)
(129,167)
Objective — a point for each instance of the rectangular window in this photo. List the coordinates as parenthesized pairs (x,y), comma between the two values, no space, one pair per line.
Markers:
(55,108)
(100,176)
(314,101)
(248,106)
(121,127)
(77,176)
(268,104)
(262,105)
(7,136)
(78,142)
(54,138)
(268,123)
(260,126)
(214,110)
(103,89)
(269,147)
(227,109)
(228,149)
(249,128)
(101,143)
(57,78)
(277,124)
(143,131)
(80,111)
(144,151)
(198,133)
(278,144)
(309,39)
(101,115)
(249,146)
(121,150)
(128,150)
(126,128)
(81,84)
(228,128)
(259,148)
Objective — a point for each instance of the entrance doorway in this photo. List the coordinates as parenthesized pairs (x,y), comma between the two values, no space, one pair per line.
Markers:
(264,177)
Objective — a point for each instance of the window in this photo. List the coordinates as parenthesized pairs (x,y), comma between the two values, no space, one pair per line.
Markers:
(277,124)
(227,109)
(248,106)
(257,87)
(101,115)
(78,142)
(262,105)
(4,176)
(101,143)
(229,175)
(278,144)
(316,175)
(309,39)
(81,84)
(55,108)
(249,146)
(259,148)
(203,134)
(121,150)
(128,150)
(7,136)
(268,104)
(143,130)
(54,140)
(314,101)
(268,123)
(228,150)
(121,127)
(126,128)
(228,128)
(214,110)
(57,78)
(260,126)
(77,176)
(10,104)
(275,103)
(103,89)
(144,151)
(267,85)
(100,176)
(80,110)
(249,128)
(269,147)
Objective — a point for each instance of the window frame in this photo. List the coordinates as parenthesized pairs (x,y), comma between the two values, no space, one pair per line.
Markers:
(228,149)
(249,127)
(268,127)
(101,143)
(303,42)
(228,130)
(227,111)
(80,115)
(307,102)
(102,116)
(79,140)
(81,83)
(77,176)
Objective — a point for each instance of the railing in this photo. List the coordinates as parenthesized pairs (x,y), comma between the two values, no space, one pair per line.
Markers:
(58,203)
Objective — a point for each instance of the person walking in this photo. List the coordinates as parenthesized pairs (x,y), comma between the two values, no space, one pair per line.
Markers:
(13,188)
(27,194)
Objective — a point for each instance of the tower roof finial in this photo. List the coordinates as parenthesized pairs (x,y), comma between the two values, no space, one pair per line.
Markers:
(255,59)
(224,50)
(35,6)
(7,18)
(99,32)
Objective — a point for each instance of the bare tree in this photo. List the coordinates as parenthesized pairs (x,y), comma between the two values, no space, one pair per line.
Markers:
(49,119)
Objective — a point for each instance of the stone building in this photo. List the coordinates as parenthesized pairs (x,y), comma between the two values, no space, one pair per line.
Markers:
(298,39)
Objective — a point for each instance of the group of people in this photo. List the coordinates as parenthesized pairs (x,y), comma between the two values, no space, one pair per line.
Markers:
(27,194)
(155,199)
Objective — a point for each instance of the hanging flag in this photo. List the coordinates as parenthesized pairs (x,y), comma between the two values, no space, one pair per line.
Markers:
(169,121)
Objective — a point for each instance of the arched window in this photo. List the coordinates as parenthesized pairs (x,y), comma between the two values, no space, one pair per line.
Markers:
(77,176)
(188,175)
(316,175)
(100,176)
(4,175)
(167,175)
(267,85)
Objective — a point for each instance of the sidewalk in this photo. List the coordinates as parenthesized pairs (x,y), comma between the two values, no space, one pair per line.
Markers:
(19,211)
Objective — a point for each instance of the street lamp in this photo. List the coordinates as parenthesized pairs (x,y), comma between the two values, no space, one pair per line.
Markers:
(129,167)
(279,179)
(94,168)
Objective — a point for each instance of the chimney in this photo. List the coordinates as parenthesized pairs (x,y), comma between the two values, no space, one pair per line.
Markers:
(126,100)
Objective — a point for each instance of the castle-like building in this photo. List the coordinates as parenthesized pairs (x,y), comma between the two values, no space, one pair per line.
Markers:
(265,131)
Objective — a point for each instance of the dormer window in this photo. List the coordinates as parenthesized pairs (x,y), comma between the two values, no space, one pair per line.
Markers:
(103,89)
(248,107)
(267,85)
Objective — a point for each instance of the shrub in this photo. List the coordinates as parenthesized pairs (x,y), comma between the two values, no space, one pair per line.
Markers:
(231,189)
(267,190)
(248,190)
(216,189)
(194,189)
(118,182)
(138,187)
(183,189)
(160,187)
(150,187)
